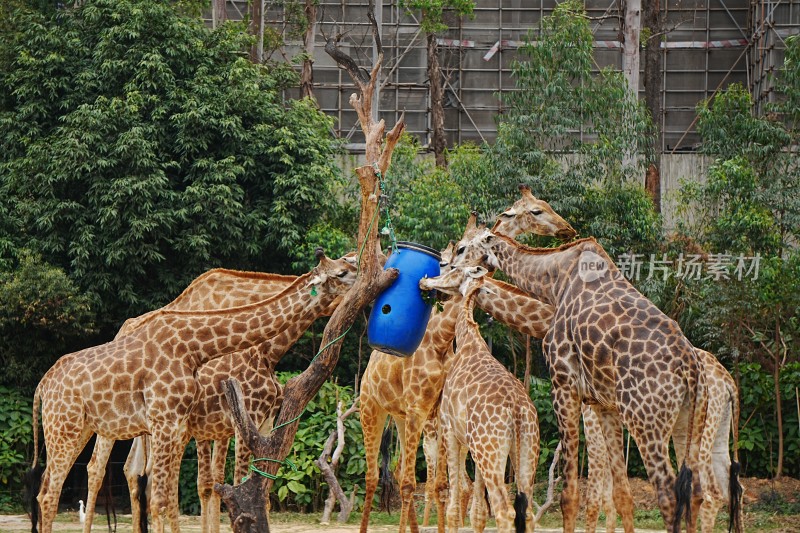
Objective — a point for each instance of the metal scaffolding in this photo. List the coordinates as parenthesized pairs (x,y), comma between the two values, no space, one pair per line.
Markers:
(709,45)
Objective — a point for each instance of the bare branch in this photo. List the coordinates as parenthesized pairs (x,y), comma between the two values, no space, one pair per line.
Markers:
(551,486)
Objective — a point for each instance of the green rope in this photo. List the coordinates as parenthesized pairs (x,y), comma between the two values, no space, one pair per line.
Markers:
(267,475)
(388,229)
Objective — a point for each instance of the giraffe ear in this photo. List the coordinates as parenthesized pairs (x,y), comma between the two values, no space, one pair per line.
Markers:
(477,271)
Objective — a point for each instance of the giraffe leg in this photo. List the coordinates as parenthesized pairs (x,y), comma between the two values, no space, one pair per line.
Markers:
(655,455)
(721,463)
(135,466)
(218,471)
(430,448)
(410,432)
(528,458)
(611,433)
(373,419)
(95,472)
(441,479)
(173,488)
(453,474)
(568,414)
(205,482)
(466,486)
(61,455)
(166,452)
(480,510)
(492,465)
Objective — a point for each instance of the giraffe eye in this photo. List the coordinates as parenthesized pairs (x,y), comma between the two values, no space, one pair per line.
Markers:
(536,212)
(505,215)
(460,250)
(342,274)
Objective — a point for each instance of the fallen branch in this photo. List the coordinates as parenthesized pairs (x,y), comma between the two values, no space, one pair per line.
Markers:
(552,481)
(328,468)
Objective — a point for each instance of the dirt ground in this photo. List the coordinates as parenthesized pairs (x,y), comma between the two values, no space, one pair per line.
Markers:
(761,495)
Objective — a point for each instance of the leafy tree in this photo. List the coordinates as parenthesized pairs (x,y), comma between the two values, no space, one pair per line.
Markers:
(42,313)
(575,134)
(750,205)
(15,437)
(141,148)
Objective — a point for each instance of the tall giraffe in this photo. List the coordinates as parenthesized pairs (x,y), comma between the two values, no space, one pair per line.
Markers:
(611,347)
(722,416)
(218,288)
(408,388)
(144,383)
(485,409)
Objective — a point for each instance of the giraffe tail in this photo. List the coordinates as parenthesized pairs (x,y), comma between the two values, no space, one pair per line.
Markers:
(735,489)
(386,482)
(142,483)
(33,477)
(520,508)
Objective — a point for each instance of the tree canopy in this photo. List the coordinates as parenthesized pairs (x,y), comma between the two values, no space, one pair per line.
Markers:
(141,148)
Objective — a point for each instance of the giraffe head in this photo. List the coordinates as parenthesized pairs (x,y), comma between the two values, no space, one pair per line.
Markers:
(333,276)
(463,255)
(531,215)
(477,251)
(457,280)
(447,254)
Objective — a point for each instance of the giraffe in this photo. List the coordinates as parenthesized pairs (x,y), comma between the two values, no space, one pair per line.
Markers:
(144,383)
(485,409)
(407,389)
(722,414)
(610,347)
(218,288)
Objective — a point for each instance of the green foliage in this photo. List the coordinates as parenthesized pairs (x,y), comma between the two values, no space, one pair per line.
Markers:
(140,149)
(433,12)
(15,437)
(302,487)
(750,204)
(42,312)
(580,140)
(753,185)
(758,431)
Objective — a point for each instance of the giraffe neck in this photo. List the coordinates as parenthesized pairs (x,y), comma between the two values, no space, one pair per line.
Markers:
(215,333)
(514,307)
(441,329)
(543,272)
(468,334)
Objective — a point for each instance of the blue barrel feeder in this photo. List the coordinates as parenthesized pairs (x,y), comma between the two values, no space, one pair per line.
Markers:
(399,316)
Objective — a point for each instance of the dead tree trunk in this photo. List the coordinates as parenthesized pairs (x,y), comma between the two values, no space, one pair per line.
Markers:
(307,74)
(438,142)
(256,29)
(219,13)
(653,78)
(329,469)
(247,502)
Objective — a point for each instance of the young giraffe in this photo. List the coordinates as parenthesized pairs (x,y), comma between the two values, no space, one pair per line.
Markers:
(144,383)
(722,415)
(611,347)
(485,409)
(218,288)
(408,388)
